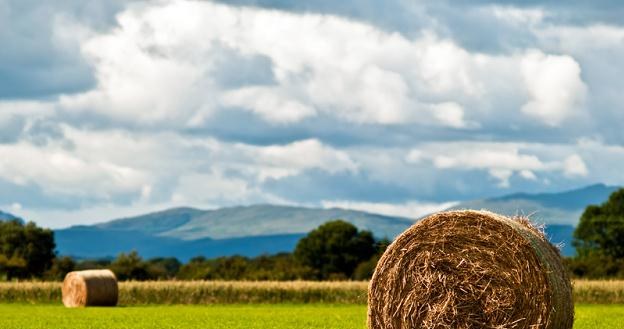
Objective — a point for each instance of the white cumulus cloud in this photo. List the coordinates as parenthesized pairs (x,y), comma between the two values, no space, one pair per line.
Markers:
(57,170)
(270,104)
(411,210)
(501,160)
(554,85)
(161,64)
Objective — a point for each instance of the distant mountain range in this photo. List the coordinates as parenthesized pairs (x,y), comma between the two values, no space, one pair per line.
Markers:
(6,216)
(559,212)
(253,230)
(188,232)
(244,221)
(564,208)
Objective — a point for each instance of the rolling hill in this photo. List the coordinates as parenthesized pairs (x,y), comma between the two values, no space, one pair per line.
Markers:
(6,216)
(254,230)
(559,212)
(187,232)
(256,220)
(92,242)
(564,208)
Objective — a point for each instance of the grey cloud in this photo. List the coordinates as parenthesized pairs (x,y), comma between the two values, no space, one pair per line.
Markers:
(241,126)
(463,21)
(399,11)
(318,185)
(32,196)
(42,132)
(234,69)
(418,183)
(11,129)
(41,80)
(391,15)
(34,63)
(468,22)
(576,12)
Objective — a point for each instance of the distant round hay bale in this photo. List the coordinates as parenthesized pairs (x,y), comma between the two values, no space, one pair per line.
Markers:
(470,269)
(90,288)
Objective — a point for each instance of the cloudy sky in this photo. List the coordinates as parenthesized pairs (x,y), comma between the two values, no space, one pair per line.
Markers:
(114,108)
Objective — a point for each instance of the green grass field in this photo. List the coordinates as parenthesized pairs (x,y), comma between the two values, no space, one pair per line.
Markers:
(278,316)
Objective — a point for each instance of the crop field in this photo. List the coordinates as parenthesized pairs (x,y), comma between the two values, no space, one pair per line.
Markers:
(202,292)
(20,316)
(237,292)
(210,304)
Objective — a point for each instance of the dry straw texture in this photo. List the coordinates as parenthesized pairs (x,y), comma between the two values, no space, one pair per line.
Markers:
(470,269)
(599,292)
(210,292)
(90,288)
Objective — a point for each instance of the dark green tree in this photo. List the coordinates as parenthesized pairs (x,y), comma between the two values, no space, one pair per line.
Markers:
(277,267)
(232,268)
(25,250)
(335,249)
(601,229)
(198,268)
(129,267)
(11,267)
(163,268)
(365,270)
(60,267)
(90,264)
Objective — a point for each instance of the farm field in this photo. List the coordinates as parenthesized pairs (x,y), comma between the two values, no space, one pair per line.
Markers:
(241,292)
(278,316)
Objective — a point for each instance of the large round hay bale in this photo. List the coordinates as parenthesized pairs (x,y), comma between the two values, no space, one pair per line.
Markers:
(470,269)
(90,288)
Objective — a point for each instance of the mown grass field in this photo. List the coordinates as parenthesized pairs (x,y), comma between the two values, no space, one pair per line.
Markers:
(280,316)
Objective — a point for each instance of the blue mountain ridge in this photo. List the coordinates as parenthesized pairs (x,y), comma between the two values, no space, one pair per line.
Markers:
(573,199)
(6,217)
(90,242)
(267,229)
(187,232)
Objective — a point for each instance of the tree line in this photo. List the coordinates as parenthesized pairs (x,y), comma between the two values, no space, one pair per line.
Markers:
(25,250)
(599,240)
(336,250)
